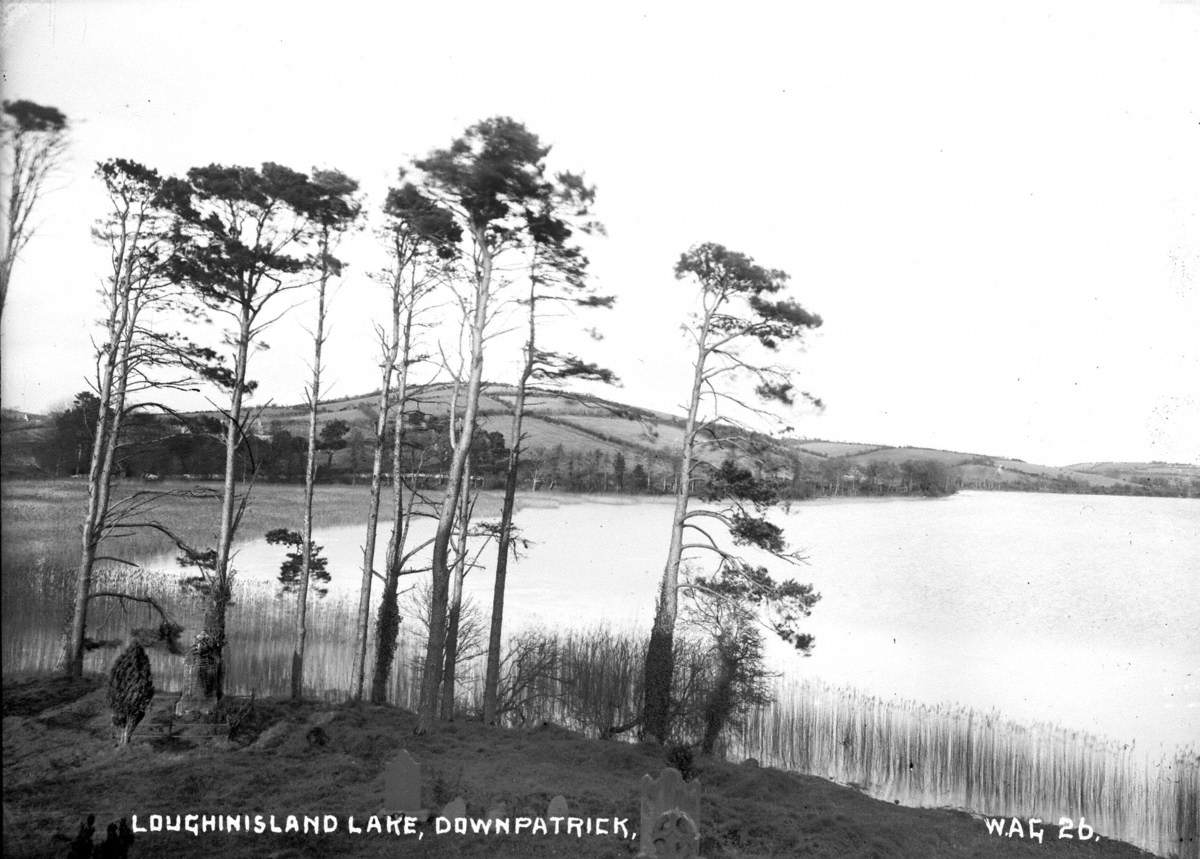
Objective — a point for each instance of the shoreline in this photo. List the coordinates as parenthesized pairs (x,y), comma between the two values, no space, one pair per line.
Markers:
(747,810)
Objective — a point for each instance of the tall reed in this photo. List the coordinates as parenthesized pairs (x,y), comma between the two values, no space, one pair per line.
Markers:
(590,681)
(942,755)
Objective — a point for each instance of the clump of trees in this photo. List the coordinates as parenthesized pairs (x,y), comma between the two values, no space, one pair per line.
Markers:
(482,226)
(422,241)
(238,244)
(488,178)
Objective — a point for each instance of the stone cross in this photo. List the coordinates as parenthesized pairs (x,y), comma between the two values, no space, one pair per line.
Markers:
(402,785)
(670,817)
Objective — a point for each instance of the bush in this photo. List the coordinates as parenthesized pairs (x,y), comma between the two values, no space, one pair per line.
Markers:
(681,758)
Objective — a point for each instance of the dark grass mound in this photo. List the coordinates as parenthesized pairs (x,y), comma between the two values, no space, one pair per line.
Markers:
(316,759)
(28,696)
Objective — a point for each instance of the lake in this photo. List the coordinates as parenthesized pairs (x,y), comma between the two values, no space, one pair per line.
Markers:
(1019,654)
(1082,610)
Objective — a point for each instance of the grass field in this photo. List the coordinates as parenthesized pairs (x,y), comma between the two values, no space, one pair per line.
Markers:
(634,433)
(1129,470)
(834,449)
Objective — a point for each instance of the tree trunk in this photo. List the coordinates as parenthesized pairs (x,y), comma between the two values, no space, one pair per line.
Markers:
(431,681)
(114,380)
(454,614)
(387,622)
(660,655)
(362,625)
(310,479)
(491,683)
(98,476)
(206,679)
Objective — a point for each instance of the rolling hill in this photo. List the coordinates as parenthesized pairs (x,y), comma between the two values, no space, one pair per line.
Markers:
(575,425)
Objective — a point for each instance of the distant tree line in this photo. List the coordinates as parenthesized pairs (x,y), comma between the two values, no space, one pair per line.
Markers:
(190,448)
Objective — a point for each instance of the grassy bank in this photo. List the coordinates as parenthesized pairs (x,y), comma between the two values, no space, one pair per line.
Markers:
(60,765)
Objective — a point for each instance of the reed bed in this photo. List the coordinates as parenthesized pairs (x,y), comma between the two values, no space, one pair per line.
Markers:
(918,754)
(904,751)
(591,681)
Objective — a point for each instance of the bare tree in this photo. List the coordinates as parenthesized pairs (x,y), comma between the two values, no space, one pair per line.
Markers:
(131,352)
(462,563)
(34,141)
(418,232)
(389,348)
(454,609)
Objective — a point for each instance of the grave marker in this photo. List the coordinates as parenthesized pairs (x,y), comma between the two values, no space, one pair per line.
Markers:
(456,809)
(402,786)
(558,808)
(670,817)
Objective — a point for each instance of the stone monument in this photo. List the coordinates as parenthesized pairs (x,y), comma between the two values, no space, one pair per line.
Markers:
(670,817)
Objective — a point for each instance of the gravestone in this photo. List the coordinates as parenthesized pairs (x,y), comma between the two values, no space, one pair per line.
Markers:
(202,676)
(498,811)
(402,786)
(456,809)
(557,808)
(670,817)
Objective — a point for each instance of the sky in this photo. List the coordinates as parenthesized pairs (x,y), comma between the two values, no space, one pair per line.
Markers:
(994,207)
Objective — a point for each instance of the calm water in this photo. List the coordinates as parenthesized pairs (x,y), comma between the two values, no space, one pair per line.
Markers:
(1076,611)
(1082,610)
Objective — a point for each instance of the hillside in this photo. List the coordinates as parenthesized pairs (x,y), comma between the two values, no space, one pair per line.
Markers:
(584,424)
(577,422)
(310,758)
(569,434)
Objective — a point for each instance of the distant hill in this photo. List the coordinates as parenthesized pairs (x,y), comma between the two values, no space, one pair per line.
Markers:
(1138,470)
(561,425)
(575,421)
(583,423)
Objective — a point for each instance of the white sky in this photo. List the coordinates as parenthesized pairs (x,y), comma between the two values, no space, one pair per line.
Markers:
(995,208)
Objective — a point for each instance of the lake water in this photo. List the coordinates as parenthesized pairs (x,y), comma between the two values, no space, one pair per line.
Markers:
(1052,618)
(1080,610)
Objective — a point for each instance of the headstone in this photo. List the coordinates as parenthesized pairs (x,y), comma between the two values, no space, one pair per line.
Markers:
(202,677)
(402,785)
(557,808)
(670,817)
(675,836)
(455,809)
(498,811)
